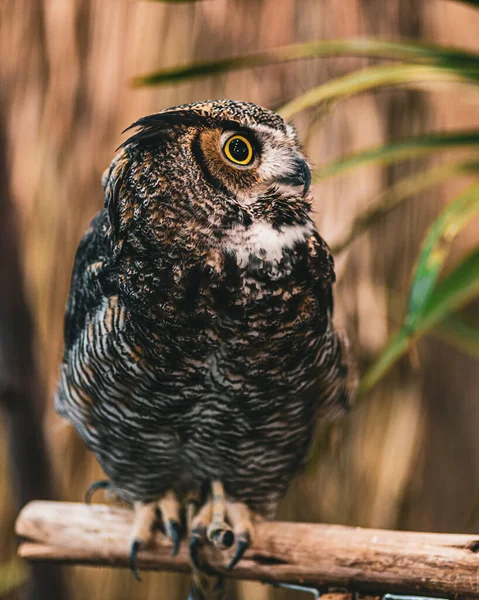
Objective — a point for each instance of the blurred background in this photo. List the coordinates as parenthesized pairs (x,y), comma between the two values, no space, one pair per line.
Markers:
(407,457)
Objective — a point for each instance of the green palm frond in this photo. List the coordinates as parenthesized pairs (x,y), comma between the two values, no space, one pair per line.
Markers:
(394,195)
(435,249)
(405,50)
(452,292)
(377,77)
(460,332)
(401,149)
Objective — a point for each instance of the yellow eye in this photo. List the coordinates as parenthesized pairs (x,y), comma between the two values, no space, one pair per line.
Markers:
(238,150)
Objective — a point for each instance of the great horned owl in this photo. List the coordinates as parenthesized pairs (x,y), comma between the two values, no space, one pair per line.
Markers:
(199,344)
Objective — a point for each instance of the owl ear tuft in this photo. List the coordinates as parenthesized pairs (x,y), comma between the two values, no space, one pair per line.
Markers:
(156,128)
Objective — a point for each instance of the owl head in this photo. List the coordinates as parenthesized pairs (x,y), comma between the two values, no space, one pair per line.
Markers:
(214,162)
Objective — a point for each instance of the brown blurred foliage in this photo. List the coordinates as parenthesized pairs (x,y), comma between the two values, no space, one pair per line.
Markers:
(409,455)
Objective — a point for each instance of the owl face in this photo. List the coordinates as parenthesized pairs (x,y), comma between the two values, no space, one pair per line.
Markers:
(243,152)
(251,161)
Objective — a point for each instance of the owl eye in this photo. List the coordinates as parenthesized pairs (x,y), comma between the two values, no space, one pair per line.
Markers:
(238,150)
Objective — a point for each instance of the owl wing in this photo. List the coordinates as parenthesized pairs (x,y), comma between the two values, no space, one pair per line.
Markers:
(90,330)
(89,284)
(336,373)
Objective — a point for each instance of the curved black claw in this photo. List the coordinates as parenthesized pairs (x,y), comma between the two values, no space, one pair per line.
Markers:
(172,530)
(134,549)
(103,484)
(196,541)
(244,540)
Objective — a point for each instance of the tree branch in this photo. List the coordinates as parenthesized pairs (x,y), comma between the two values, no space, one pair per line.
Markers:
(364,560)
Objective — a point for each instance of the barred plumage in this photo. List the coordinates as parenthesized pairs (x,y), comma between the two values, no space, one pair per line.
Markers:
(199,344)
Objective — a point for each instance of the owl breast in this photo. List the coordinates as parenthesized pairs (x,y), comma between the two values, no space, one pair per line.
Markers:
(262,241)
(223,378)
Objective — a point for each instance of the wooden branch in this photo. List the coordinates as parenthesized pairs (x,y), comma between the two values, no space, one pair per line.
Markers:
(364,560)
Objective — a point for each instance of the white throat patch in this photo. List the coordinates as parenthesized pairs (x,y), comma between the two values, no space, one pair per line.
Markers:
(264,241)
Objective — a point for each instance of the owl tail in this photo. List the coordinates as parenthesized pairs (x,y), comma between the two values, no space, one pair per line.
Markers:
(206,587)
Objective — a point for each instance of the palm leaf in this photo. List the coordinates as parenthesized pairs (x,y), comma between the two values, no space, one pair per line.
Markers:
(370,47)
(377,77)
(435,250)
(455,290)
(400,191)
(400,150)
(460,333)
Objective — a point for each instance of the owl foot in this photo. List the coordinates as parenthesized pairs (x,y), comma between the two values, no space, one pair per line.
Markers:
(169,509)
(241,518)
(209,524)
(197,526)
(199,523)
(102,484)
(145,516)
(218,532)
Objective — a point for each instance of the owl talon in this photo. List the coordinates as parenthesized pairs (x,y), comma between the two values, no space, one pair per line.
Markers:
(169,508)
(145,513)
(102,484)
(134,549)
(172,530)
(197,538)
(244,541)
(241,518)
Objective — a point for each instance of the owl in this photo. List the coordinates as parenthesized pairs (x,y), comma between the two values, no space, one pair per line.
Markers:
(199,344)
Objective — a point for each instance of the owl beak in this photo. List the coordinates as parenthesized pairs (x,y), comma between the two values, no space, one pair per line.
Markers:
(300,176)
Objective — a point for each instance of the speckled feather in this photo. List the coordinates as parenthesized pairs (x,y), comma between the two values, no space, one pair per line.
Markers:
(199,341)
